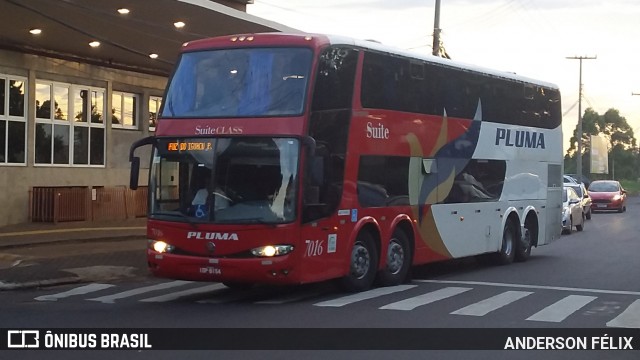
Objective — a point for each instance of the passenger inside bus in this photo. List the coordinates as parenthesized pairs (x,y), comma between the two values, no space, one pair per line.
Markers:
(200,185)
(200,180)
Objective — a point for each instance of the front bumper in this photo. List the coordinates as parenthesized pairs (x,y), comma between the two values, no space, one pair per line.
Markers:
(274,270)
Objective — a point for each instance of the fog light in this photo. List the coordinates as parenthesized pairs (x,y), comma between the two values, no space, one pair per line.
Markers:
(271,250)
(162,247)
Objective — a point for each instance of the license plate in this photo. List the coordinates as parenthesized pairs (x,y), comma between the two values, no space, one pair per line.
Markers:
(602,205)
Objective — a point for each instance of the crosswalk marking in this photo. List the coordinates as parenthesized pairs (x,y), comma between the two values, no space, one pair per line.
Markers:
(178,294)
(75,291)
(629,318)
(556,312)
(562,309)
(524,286)
(486,306)
(109,299)
(424,299)
(366,295)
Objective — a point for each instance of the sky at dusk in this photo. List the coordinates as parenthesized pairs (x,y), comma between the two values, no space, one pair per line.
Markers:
(532,38)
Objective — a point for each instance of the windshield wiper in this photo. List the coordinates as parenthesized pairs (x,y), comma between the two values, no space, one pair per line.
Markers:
(260,221)
(188,218)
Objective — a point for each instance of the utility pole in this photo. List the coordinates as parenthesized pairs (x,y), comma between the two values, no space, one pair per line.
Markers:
(436,31)
(634,133)
(579,165)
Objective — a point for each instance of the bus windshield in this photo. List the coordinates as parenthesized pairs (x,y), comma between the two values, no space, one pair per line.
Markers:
(225,180)
(245,82)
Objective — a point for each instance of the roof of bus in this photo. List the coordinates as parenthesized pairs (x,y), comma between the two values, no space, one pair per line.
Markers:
(270,39)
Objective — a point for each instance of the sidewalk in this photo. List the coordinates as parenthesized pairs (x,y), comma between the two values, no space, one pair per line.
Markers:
(20,269)
(29,234)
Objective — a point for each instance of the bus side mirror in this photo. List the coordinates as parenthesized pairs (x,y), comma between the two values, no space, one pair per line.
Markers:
(310,144)
(135,171)
(135,161)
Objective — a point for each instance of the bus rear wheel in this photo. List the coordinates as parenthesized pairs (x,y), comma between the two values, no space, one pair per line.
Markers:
(506,253)
(398,260)
(363,264)
(523,247)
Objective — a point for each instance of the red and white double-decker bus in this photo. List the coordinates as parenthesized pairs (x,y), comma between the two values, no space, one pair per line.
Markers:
(289,158)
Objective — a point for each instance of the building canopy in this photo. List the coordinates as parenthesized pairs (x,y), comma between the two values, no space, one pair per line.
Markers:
(146,37)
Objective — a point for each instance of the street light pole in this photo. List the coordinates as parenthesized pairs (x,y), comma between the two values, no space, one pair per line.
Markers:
(579,157)
(436,31)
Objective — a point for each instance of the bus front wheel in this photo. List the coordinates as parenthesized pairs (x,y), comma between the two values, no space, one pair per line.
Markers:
(398,260)
(363,264)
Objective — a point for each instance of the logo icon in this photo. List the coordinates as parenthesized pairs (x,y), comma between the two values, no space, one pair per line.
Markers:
(22,339)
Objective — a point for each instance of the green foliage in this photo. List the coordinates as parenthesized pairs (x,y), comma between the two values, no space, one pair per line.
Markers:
(632,186)
(624,159)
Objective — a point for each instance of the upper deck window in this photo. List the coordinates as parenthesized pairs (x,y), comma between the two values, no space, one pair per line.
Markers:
(239,83)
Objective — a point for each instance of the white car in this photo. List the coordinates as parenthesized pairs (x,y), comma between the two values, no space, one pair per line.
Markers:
(572,212)
(569,179)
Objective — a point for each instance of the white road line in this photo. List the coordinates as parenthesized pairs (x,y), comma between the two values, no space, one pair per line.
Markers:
(75,291)
(179,294)
(288,299)
(110,299)
(561,309)
(366,295)
(486,306)
(629,318)
(524,286)
(424,299)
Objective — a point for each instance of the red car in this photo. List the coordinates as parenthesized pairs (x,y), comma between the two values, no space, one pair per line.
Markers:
(608,195)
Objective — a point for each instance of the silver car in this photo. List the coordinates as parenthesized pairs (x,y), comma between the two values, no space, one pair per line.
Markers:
(582,192)
(572,211)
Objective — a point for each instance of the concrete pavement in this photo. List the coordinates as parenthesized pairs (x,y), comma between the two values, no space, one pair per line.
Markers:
(46,254)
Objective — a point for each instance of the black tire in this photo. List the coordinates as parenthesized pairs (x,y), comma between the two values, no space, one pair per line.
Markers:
(589,214)
(581,226)
(506,253)
(523,246)
(398,260)
(363,264)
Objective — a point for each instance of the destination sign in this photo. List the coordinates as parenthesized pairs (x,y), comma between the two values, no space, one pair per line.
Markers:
(189,146)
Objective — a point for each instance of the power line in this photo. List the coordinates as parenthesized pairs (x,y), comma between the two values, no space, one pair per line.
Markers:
(570,108)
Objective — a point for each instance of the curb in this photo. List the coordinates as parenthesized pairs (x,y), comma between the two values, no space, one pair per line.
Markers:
(72,241)
(39,283)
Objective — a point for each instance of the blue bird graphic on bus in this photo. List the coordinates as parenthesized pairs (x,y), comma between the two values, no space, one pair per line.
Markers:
(458,152)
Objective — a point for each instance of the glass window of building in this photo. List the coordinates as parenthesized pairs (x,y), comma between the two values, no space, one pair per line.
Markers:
(13,120)
(73,134)
(154,109)
(124,112)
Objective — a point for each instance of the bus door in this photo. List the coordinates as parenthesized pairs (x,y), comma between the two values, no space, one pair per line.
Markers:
(468,218)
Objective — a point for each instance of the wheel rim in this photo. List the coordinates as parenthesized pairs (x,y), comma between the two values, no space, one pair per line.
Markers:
(507,243)
(395,256)
(360,260)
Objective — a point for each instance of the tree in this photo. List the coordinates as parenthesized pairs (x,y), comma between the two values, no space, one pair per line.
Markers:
(620,137)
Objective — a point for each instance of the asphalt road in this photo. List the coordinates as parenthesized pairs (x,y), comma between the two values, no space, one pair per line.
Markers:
(584,280)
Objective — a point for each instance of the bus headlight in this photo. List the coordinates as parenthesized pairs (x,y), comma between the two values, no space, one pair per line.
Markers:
(161,246)
(272,250)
